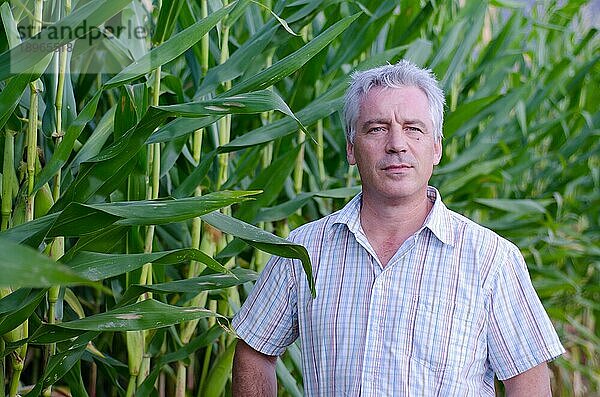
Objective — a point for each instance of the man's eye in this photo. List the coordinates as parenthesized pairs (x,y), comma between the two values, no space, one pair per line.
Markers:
(413,129)
(376,129)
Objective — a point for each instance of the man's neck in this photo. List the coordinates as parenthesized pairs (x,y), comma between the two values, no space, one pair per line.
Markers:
(388,225)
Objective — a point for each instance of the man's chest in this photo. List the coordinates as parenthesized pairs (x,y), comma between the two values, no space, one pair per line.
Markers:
(426,306)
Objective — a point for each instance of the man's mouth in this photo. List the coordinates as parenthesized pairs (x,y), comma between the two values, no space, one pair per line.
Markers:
(397,167)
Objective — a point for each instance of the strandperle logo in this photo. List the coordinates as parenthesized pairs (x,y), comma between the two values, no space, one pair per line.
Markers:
(91,49)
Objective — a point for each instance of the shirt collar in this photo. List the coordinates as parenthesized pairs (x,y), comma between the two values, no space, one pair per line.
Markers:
(439,220)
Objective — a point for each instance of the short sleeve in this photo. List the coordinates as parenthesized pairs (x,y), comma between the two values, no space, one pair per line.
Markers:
(268,319)
(520,333)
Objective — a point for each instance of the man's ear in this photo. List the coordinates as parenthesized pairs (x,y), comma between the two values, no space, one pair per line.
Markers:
(350,153)
(437,151)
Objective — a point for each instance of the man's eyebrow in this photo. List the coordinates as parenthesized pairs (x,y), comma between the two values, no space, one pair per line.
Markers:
(374,121)
(416,122)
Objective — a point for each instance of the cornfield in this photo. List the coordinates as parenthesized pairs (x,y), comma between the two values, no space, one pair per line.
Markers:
(155,153)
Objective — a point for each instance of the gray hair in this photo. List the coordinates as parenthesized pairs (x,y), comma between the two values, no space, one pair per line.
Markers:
(402,74)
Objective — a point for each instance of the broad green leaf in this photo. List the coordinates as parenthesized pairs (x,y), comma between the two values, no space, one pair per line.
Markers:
(183,353)
(102,240)
(517,206)
(286,379)
(79,23)
(238,62)
(62,153)
(126,114)
(220,372)
(21,308)
(168,50)
(262,240)
(98,266)
(31,233)
(99,178)
(283,210)
(166,20)
(147,314)
(96,141)
(317,110)
(193,285)
(247,103)
(294,61)
(24,267)
(187,187)
(78,219)
(270,181)
(167,211)
(74,380)
(10,26)
(450,185)
(62,362)
(465,111)
(180,127)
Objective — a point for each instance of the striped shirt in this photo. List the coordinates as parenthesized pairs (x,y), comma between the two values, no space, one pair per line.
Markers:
(453,307)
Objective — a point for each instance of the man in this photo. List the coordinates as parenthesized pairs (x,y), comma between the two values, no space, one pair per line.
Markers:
(412,298)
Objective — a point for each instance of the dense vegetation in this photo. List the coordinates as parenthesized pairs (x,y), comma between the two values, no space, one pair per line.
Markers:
(145,177)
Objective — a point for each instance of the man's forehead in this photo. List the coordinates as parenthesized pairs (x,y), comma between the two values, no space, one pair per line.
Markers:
(383,99)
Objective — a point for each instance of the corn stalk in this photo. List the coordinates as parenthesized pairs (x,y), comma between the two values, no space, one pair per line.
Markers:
(195,268)
(58,245)
(22,332)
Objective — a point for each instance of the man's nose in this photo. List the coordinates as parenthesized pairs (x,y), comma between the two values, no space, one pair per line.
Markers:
(396,140)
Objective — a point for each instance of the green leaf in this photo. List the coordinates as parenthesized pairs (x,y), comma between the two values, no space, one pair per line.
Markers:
(168,50)
(147,314)
(167,211)
(193,285)
(167,17)
(247,103)
(520,207)
(102,240)
(315,111)
(62,362)
(31,233)
(270,181)
(93,145)
(294,61)
(17,307)
(10,25)
(98,266)
(238,62)
(180,127)
(79,219)
(187,187)
(262,240)
(24,267)
(100,177)
(283,210)
(287,379)
(220,372)
(203,340)
(78,24)
(64,150)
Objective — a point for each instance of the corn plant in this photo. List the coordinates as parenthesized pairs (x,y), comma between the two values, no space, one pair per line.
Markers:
(155,153)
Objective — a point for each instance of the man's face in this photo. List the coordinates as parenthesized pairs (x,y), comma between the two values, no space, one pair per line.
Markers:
(394,146)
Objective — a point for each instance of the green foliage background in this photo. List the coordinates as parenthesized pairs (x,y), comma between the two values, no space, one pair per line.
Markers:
(118,276)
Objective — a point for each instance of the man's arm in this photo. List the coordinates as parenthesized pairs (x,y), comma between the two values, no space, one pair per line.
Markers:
(534,382)
(253,372)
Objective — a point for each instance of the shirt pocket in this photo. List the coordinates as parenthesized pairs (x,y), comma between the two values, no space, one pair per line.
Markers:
(443,334)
